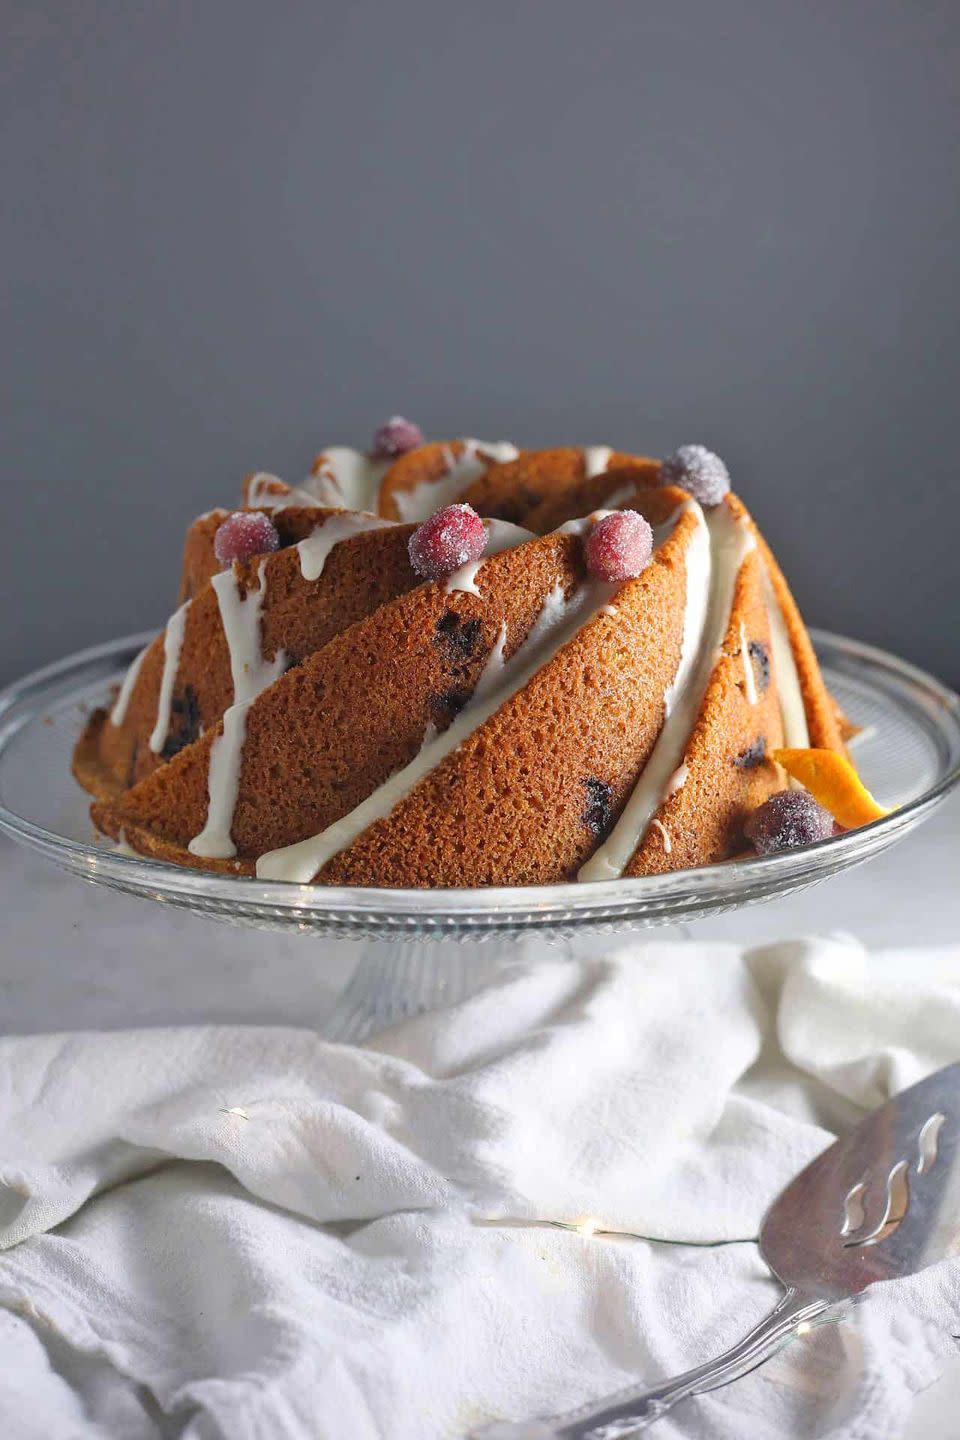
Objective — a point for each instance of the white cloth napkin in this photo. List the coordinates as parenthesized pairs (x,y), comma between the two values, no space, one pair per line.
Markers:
(252,1234)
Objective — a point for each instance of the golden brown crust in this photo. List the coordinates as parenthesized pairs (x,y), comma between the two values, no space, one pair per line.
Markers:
(526,798)
(328,732)
(514,490)
(140,838)
(703,820)
(423,466)
(298,617)
(627,480)
(199,563)
(86,763)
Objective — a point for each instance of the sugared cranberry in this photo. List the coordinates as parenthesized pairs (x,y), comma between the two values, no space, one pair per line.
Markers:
(698,471)
(619,546)
(244,534)
(450,538)
(788,819)
(395,437)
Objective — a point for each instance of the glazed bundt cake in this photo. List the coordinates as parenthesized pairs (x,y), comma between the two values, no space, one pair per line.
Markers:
(463,664)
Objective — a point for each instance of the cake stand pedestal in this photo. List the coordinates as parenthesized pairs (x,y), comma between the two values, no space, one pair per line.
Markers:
(395,980)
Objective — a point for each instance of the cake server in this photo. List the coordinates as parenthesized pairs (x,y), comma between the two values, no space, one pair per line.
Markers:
(880,1203)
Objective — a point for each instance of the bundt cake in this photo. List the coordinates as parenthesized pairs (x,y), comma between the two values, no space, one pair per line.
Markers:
(464,664)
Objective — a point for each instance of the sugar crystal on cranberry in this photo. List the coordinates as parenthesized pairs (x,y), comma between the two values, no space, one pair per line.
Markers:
(698,471)
(395,437)
(450,538)
(619,546)
(243,535)
(787,820)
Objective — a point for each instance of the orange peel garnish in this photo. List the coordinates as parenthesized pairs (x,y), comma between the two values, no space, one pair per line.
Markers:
(833,781)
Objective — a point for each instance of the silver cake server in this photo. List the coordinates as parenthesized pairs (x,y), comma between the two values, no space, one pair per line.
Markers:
(880,1203)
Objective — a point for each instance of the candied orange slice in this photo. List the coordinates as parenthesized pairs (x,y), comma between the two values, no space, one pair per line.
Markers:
(832,780)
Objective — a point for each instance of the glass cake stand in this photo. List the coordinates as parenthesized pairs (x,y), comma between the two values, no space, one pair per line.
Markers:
(908,754)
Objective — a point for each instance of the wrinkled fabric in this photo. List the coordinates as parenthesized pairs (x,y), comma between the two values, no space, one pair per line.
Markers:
(251,1233)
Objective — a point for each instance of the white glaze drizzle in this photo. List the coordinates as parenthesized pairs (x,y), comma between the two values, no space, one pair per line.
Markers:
(865,733)
(699,569)
(793,712)
(465,578)
(501,452)
(506,536)
(557,624)
(492,672)
(582,524)
(346,478)
(242,619)
(119,712)
(215,841)
(501,535)
(460,471)
(259,494)
(664,835)
(251,675)
(677,781)
(294,498)
(716,551)
(749,677)
(430,734)
(172,645)
(595,461)
(622,492)
(316,548)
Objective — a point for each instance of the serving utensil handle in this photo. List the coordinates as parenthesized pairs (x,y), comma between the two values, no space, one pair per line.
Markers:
(631,1410)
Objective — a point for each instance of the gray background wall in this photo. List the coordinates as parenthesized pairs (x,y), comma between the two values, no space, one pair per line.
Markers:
(234,231)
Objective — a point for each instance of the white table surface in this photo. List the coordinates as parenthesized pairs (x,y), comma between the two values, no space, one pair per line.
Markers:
(77,956)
